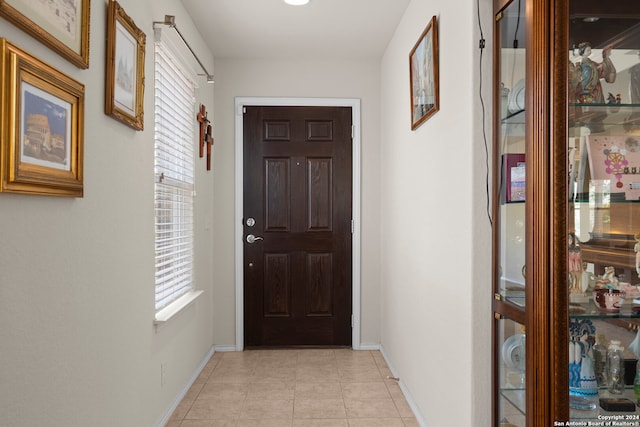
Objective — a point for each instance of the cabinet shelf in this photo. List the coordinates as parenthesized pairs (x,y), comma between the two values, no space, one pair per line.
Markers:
(588,310)
(517,118)
(599,414)
(616,246)
(516,397)
(617,257)
(601,118)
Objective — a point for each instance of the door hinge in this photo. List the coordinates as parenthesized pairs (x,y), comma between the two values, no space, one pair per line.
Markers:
(353,131)
(353,227)
(352,320)
(244,110)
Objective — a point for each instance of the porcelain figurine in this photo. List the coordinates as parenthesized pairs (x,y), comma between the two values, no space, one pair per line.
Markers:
(575,265)
(588,382)
(574,80)
(590,88)
(588,279)
(608,279)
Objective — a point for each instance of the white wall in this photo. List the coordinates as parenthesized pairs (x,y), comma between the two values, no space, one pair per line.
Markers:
(481,147)
(77,341)
(326,78)
(436,293)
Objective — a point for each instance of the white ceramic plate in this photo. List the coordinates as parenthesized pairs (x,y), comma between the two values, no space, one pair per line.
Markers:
(516,97)
(513,354)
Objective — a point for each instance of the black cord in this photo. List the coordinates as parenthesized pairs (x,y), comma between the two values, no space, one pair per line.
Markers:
(515,35)
(480,26)
(484,130)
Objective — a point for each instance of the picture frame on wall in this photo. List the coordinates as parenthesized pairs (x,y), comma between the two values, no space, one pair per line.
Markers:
(61,25)
(424,75)
(125,68)
(42,126)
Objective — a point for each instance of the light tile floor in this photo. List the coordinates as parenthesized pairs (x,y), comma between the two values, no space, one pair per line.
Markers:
(294,388)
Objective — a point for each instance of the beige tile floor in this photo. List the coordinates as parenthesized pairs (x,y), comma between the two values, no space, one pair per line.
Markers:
(294,388)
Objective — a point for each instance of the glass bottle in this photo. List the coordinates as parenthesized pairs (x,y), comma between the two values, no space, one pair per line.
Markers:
(599,350)
(615,368)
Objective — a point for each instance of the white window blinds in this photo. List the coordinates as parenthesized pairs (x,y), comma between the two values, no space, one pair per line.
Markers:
(174,177)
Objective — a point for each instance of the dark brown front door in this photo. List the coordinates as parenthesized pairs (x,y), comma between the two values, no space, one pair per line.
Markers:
(297,204)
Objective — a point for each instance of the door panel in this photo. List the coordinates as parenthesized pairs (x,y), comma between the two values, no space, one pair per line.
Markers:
(319,279)
(320,194)
(277,286)
(297,187)
(278,194)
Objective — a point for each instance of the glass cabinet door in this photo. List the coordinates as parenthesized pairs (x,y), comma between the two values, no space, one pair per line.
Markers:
(511,373)
(509,216)
(603,215)
(510,150)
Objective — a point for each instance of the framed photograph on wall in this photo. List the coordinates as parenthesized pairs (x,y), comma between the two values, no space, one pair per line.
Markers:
(424,75)
(42,127)
(125,68)
(61,25)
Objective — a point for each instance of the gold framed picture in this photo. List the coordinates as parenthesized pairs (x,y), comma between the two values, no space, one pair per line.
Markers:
(41,126)
(61,25)
(125,68)
(424,75)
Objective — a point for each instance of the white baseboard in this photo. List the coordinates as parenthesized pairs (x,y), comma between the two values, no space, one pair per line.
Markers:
(225,348)
(369,347)
(165,418)
(405,391)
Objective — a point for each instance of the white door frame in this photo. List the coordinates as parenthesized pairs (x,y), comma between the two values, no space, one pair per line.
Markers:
(240,103)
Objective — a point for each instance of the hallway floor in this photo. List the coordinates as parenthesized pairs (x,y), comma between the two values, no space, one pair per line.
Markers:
(294,388)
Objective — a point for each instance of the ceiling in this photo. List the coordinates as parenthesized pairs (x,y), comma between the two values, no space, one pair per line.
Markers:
(359,29)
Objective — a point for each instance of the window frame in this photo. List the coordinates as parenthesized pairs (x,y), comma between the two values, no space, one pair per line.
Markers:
(174,180)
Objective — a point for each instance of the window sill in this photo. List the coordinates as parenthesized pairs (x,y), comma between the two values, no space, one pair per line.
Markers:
(165,314)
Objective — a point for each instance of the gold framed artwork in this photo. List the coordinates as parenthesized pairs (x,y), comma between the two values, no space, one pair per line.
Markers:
(41,126)
(61,25)
(424,75)
(125,68)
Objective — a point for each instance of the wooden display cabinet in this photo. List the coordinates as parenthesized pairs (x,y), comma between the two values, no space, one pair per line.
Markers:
(567,118)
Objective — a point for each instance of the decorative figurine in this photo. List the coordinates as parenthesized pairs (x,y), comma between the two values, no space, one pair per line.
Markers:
(575,265)
(588,279)
(590,89)
(608,279)
(575,75)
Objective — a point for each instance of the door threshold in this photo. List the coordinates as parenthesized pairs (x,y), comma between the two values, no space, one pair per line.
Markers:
(299,347)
